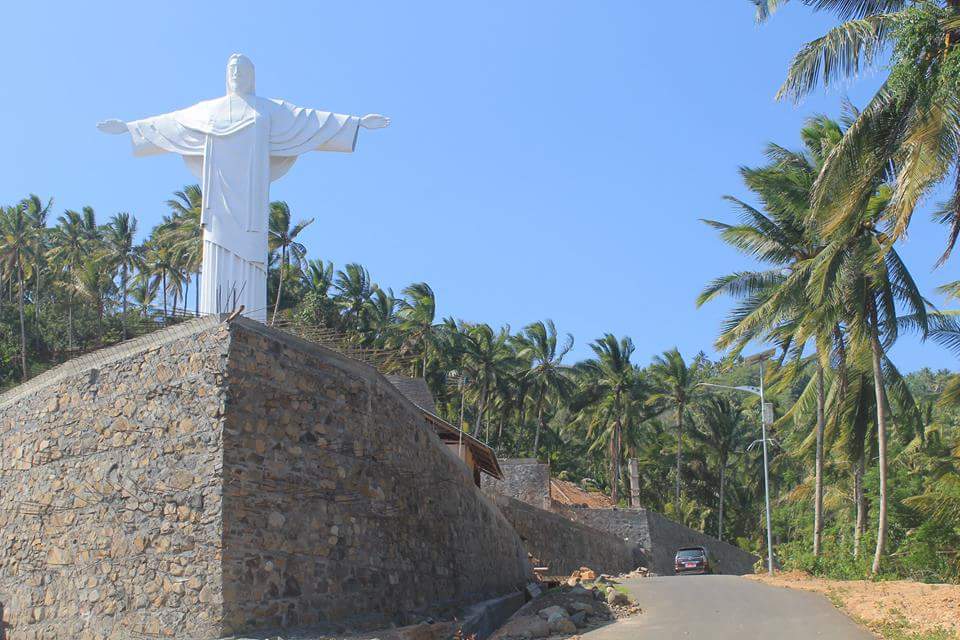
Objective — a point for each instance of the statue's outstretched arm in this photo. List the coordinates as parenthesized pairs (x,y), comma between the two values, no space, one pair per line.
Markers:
(112,126)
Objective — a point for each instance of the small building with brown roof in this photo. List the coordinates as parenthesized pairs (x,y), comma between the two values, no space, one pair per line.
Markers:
(478,457)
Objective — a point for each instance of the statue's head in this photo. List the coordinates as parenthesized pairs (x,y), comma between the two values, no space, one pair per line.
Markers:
(240,76)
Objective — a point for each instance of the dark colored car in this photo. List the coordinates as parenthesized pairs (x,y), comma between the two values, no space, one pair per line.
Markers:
(692,560)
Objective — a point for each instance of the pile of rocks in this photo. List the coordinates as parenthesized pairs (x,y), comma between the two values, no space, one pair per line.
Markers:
(583,574)
(639,572)
(549,621)
(568,611)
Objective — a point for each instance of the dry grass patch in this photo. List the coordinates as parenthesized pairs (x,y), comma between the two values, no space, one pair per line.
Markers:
(896,610)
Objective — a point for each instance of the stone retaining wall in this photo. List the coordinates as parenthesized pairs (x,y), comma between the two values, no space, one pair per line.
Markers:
(110,493)
(216,478)
(563,545)
(340,502)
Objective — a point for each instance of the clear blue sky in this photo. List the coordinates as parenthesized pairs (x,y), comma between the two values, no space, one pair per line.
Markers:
(546,159)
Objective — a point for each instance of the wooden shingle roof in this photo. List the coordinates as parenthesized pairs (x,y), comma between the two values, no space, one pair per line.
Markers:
(415,390)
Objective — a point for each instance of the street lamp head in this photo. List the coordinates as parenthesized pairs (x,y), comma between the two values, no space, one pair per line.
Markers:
(760,357)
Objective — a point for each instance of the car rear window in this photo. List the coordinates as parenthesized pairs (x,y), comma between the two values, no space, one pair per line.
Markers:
(690,553)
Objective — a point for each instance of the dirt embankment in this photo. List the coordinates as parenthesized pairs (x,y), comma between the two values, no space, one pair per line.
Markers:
(884,607)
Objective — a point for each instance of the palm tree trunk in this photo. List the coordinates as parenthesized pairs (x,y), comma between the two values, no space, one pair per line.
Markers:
(521,423)
(818,491)
(123,299)
(276,307)
(881,446)
(196,294)
(70,320)
(23,327)
(860,499)
(615,453)
(481,409)
(536,435)
(723,473)
(36,302)
(613,464)
(679,450)
(163,281)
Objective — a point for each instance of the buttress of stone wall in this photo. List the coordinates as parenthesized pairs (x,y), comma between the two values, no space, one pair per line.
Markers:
(110,493)
(666,536)
(659,538)
(340,502)
(629,525)
(562,545)
(524,479)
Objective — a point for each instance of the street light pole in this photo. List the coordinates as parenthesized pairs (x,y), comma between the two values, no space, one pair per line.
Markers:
(766,473)
(764,420)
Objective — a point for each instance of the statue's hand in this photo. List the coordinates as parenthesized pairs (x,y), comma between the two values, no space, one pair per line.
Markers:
(112,126)
(374,121)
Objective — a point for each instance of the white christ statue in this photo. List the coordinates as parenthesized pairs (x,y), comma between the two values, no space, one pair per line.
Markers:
(236,146)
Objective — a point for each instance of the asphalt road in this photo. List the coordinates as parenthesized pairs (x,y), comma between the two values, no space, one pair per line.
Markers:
(722,607)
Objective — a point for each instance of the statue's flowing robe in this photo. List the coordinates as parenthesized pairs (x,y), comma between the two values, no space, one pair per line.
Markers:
(236,145)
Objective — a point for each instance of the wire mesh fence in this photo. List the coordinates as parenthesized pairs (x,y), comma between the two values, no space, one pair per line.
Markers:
(135,329)
(384,359)
(114,331)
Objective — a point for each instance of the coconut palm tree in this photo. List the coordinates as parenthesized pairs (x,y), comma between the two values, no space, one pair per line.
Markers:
(650,445)
(93,282)
(124,255)
(546,374)
(37,212)
(141,292)
(90,227)
(604,383)
(910,125)
(417,315)
(381,318)
(774,302)
(354,289)
(675,384)
(317,306)
(17,257)
(70,247)
(162,269)
(284,237)
(182,231)
(860,273)
(723,429)
(487,356)
(510,394)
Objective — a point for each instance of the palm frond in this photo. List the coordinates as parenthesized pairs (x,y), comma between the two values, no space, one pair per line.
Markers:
(842,52)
